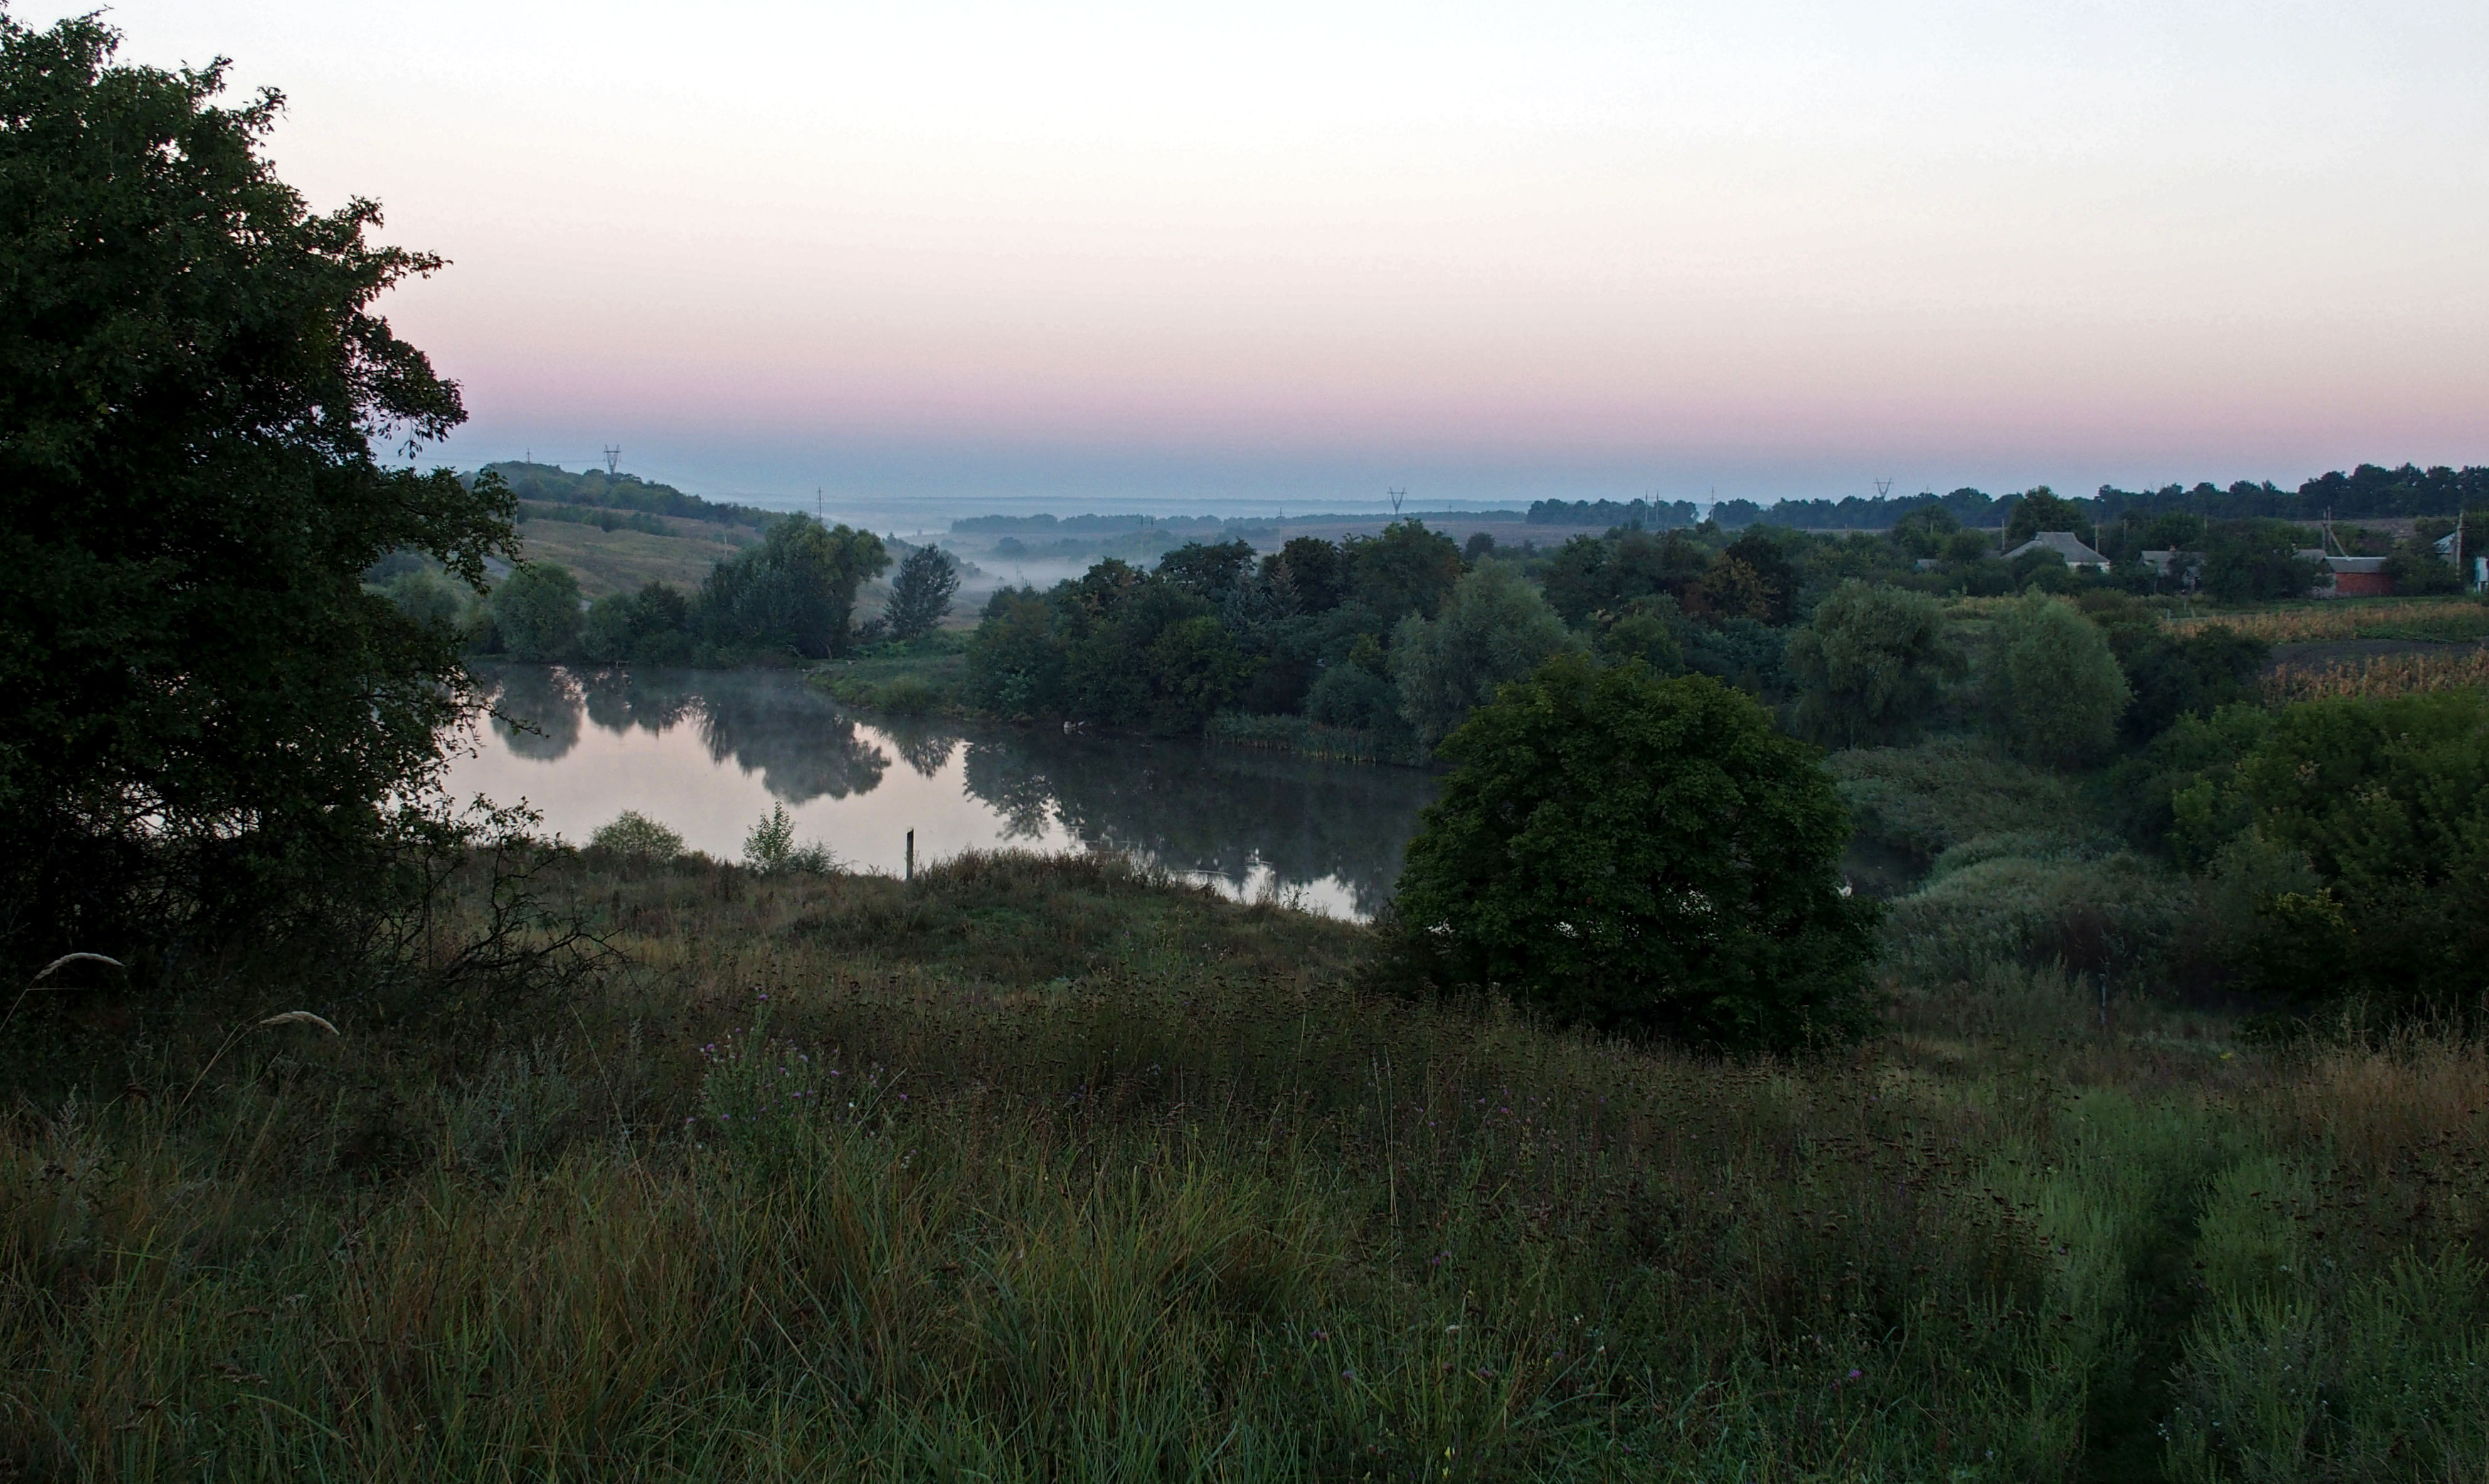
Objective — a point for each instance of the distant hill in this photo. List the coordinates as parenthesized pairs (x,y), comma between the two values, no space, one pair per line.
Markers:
(552,484)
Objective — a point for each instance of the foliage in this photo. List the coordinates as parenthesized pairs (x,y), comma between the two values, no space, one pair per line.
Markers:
(1947,791)
(2054,691)
(2250,560)
(536,612)
(1495,628)
(635,835)
(2044,509)
(920,597)
(2351,618)
(1642,854)
(2388,800)
(208,713)
(1407,569)
(795,588)
(1870,665)
(650,626)
(770,848)
(2042,899)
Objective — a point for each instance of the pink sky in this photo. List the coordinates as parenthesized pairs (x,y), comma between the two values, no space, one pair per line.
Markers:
(1487,251)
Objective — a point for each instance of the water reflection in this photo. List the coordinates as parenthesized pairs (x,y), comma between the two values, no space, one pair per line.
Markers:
(684,746)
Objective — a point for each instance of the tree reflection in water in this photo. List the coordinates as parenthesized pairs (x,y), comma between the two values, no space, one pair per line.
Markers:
(1214,812)
(1218,811)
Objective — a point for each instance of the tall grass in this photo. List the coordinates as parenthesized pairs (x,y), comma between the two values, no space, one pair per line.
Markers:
(1046,1170)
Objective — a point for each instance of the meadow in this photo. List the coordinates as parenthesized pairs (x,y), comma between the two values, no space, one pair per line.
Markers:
(1046,1170)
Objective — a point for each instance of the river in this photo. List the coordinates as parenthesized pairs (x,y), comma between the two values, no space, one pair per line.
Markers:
(709,753)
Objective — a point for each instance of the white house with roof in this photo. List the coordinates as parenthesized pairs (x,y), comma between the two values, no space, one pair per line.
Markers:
(2066,544)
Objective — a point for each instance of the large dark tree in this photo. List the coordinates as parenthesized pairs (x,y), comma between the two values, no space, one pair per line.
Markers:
(206,712)
(1641,855)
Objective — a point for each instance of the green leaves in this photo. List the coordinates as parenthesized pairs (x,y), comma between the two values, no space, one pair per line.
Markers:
(1642,855)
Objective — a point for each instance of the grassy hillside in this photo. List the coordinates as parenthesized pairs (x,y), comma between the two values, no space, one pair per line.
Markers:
(1043,1170)
(622,560)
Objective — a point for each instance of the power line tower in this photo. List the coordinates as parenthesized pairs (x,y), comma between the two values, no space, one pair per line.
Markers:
(1397,496)
(613,459)
(1884,488)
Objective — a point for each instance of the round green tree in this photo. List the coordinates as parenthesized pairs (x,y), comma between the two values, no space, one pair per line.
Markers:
(2054,689)
(1868,664)
(1642,855)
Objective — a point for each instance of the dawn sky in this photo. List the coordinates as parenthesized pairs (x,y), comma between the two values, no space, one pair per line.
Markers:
(1292,252)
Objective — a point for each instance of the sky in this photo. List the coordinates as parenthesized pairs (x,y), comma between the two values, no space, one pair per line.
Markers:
(994,255)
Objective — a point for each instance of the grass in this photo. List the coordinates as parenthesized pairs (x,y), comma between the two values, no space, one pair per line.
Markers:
(1045,1169)
(905,677)
(1302,736)
(625,560)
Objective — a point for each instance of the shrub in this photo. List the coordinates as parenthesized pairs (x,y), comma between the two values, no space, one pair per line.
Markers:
(1642,855)
(634,834)
(2054,687)
(1949,790)
(908,695)
(771,849)
(1868,664)
(2039,900)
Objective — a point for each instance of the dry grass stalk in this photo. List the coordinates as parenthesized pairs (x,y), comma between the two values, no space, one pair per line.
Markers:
(2381,676)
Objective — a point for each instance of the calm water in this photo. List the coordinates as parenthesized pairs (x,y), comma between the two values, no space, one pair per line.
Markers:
(707,752)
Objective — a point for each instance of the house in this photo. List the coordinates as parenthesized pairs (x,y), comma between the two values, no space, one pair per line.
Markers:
(2347,577)
(2067,545)
(2182,565)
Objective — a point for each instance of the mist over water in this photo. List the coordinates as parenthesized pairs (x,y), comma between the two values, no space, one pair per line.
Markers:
(709,753)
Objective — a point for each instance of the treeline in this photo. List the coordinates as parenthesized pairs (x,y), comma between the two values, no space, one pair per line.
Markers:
(792,593)
(550,485)
(2368,492)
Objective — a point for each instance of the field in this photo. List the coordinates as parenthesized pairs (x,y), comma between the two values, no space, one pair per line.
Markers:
(2442,619)
(624,561)
(1044,1170)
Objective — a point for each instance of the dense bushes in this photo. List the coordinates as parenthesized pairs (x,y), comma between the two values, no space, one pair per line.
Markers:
(1870,664)
(1640,854)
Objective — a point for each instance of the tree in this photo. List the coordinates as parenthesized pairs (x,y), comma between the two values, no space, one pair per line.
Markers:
(1314,569)
(1494,627)
(211,721)
(1870,664)
(2388,802)
(536,611)
(2044,509)
(1641,855)
(2054,689)
(794,589)
(920,597)
(1407,569)
(647,626)
(1208,572)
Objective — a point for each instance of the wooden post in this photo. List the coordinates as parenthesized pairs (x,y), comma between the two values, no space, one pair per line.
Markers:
(911,855)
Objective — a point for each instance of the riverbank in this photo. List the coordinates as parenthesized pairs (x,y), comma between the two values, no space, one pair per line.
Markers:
(1043,1168)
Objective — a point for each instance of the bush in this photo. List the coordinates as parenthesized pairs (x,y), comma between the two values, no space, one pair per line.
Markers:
(635,835)
(1641,855)
(1868,664)
(2039,900)
(2054,687)
(1950,790)
(771,849)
